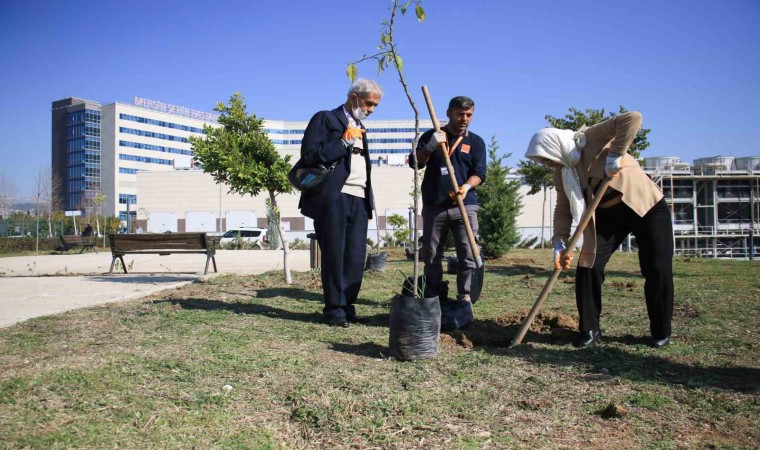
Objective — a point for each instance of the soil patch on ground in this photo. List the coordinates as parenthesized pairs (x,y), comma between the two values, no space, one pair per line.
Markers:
(555,328)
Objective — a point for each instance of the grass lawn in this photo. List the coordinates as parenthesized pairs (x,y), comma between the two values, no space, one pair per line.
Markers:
(245,362)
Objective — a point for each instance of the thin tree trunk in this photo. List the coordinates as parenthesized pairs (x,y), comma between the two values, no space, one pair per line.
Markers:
(283,239)
(543,216)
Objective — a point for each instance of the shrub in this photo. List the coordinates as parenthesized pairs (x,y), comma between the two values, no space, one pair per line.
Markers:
(27,244)
(298,244)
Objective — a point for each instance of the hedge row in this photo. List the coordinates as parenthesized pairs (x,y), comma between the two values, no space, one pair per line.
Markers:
(27,244)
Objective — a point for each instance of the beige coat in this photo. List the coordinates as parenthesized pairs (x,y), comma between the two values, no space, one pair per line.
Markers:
(639,191)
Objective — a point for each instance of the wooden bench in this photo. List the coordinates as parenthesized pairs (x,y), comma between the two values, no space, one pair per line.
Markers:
(161,244)
(72,241)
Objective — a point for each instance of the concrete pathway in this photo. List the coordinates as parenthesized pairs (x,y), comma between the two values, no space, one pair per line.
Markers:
(33,286)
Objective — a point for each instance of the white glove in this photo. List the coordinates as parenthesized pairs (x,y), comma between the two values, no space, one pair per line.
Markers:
(614,164)
(462,192)
(559,247)
(438,138)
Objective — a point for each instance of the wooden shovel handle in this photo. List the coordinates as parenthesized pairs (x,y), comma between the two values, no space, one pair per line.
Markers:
(454,184)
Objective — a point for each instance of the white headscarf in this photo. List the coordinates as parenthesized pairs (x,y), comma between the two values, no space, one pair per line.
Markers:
(564,147)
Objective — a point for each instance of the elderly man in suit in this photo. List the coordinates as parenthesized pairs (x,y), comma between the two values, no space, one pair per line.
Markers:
(632,204)
(342,206)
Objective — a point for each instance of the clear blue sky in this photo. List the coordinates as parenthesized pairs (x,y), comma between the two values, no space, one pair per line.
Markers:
(691,67)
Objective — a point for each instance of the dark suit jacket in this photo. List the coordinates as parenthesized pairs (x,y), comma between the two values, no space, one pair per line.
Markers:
(322,144)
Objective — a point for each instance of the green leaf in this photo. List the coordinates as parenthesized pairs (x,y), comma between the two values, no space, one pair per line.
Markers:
(380,65)
(384,38)
(404,7)
(420,13)
(352,71)
(399,63)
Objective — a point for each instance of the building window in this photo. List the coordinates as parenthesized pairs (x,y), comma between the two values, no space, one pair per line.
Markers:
(161,123)
(150,134)
(124,197)
(157,148)
(145,159)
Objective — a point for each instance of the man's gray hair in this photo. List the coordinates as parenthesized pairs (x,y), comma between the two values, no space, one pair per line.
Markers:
(363,86)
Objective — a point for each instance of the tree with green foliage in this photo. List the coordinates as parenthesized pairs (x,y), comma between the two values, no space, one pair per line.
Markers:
(398,223)
(576,119)
(388,56)
(240,155)
(539,178)
(500,205)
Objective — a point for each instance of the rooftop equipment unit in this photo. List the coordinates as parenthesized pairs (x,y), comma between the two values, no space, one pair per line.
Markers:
(714,164)
(748,163)
(661,162)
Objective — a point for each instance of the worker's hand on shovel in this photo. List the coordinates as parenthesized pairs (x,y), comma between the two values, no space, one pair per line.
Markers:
(437,139)
(559,247)
(463,189)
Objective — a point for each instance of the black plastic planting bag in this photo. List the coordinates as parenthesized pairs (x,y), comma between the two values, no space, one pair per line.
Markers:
(415,324)
(455,314)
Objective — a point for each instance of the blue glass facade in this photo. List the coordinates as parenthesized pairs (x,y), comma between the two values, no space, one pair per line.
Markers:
(160,123)
(82,157)
(151,134)
(158,148)
(145,159)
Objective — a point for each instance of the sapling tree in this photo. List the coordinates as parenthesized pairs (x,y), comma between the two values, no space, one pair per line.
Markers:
(387,56)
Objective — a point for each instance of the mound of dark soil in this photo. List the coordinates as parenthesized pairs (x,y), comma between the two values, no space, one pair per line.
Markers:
(548,326)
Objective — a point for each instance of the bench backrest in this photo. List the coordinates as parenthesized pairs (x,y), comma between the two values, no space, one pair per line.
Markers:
(158,241)
(71,239)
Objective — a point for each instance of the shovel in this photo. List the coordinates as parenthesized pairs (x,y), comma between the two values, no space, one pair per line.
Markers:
(477,276)
(585,219)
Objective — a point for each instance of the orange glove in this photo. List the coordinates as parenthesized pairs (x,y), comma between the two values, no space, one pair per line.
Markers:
(463,189)
(352,134)
(561,262)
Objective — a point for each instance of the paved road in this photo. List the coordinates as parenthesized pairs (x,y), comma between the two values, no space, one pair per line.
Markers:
(33,286)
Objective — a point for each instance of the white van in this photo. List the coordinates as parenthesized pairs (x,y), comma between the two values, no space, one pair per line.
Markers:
(244,237)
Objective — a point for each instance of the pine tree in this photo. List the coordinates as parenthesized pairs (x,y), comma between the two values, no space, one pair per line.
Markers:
(500,205)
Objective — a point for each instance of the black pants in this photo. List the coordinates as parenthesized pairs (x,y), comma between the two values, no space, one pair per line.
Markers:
(437,221)
(654,237)
(342,236)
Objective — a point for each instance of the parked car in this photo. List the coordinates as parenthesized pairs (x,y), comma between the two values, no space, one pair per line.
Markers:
(247,237)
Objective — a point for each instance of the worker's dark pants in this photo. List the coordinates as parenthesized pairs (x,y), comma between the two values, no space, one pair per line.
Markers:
(436,223)
(342,236)
(654,237)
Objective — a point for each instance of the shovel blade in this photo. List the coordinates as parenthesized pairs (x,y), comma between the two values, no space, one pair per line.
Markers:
(476,286)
